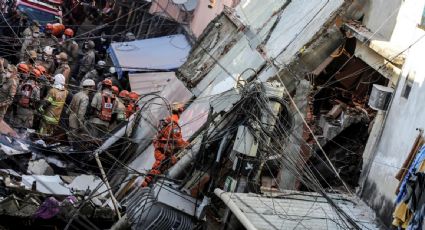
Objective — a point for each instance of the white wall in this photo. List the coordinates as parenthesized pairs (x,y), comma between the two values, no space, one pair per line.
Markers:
(404,116)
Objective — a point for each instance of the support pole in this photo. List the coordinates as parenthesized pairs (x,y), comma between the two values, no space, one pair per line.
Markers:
(105,179)
(235,209)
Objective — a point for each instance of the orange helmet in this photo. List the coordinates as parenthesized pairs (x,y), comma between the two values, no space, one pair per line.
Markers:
(49,26)
(115,90)
(41,69)
(24,68)
(123,94)
(133,96)
(69,32)
(35,72)
(107,82)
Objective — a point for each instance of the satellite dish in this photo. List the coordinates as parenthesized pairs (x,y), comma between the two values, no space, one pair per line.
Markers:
(190,5)
(179,1)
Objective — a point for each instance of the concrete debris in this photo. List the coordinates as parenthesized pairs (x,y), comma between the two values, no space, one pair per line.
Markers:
(40,167)
(133,118)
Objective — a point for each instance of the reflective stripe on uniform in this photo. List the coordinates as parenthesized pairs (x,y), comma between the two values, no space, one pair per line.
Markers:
(55,103)
(51,120)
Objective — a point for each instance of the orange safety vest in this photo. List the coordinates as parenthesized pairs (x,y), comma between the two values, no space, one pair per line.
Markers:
(105,113)
(26,92)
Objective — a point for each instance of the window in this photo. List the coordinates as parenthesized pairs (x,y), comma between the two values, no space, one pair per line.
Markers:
(408,84)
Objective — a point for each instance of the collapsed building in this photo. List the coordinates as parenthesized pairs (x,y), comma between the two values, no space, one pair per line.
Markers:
(254,84)
(278,115)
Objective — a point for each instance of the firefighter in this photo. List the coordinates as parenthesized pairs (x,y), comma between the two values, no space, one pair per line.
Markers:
(123,95)
(132,106)
(31,39)
(103,106)
(28,95)
(23,71)
(8,85)
(96,74)
(71,48)
(167,143)
(44,80)
(77,111)
(47,38)
(52,106)
(88,61)
(63,68)
(119,113)
(47,60)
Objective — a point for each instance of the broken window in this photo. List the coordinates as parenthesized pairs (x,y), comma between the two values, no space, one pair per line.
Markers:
(408,84)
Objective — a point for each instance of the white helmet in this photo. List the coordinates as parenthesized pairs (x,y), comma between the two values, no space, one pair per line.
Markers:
(48,50)
(88,82)
(101,63)
(112,70)
(59,79)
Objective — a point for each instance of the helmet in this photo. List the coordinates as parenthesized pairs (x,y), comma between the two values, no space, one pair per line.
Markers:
(62,56)
(69,32)
(107,82)
(123,94)
(48,50)
(177,108)
(90,44)
(41,69)
(101,64)
(59,79)
(36,23)
(35,72)
(112,70)
(129,36)
(33,54)
(24,68)
(115,90)
(133,96)
(88,82)
(49,27)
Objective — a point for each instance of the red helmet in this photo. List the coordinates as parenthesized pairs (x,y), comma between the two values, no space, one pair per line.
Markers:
(107,82)
(133,96)
(115,90)
(69,32)
(49,26)
(41,69)
(35,72)
(123,94)
(24,68)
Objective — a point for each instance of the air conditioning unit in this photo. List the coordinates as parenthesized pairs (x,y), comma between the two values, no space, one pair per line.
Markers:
(380,97)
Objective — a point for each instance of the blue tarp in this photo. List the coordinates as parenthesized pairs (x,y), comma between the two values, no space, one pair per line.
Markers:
(154,54)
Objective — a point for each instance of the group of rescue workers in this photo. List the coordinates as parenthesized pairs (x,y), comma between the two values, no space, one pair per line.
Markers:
(41,83)
(55,78)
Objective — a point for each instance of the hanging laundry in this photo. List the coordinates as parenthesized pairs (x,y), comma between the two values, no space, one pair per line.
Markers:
(417,163)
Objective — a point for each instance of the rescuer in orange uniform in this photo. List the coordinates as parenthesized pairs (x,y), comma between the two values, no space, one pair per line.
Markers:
(168,141)
(132,106)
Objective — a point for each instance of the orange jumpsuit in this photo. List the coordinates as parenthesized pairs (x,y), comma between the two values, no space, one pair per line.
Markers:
(168,142)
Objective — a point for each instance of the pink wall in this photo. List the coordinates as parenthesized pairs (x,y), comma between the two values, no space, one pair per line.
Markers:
(203,15)
(171,9)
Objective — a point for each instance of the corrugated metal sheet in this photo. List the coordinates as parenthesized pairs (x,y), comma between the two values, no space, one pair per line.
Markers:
(144,83)
(298,210)
(162,53)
